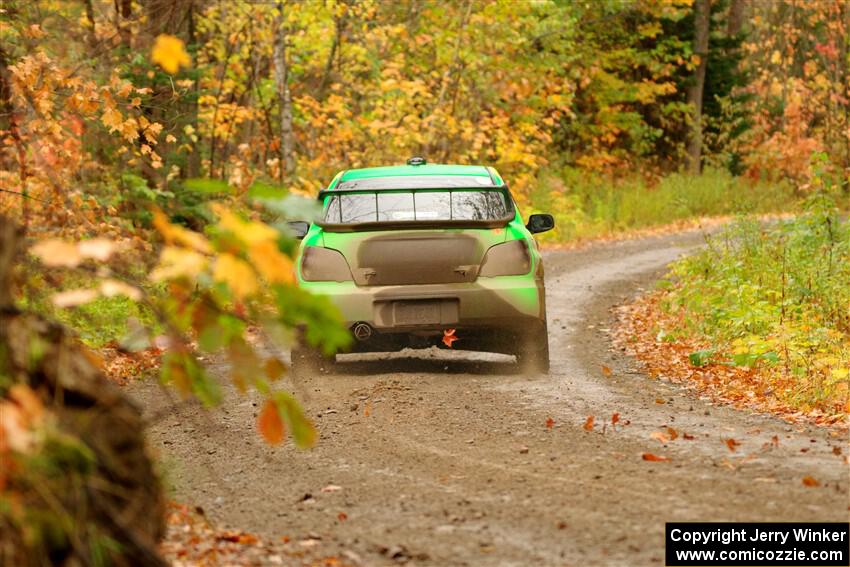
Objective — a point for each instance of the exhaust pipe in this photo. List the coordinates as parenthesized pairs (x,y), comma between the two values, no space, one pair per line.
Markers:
(362,331)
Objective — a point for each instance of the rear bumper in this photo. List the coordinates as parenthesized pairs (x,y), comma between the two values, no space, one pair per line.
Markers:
(504,302)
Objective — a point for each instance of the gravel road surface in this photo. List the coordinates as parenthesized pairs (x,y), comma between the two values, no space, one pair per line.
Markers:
(445,458)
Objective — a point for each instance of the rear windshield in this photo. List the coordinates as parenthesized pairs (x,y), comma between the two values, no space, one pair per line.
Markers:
(395,206)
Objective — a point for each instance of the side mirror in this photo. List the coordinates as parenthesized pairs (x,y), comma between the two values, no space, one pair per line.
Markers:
(540,223)
(299,228)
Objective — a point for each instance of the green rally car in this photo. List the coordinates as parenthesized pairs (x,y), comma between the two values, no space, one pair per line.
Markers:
(413,253)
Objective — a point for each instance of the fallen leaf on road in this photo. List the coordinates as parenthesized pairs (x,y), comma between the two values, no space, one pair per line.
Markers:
(615,418)
(810,481)
(732,444)
(653,458)
(836,450)
(659,401)
(672,433)
(270,424)
(367,409)
(237,537)
(588,424)
(550,423)
(657,435)
(606,371)
(342,516)
(688,436)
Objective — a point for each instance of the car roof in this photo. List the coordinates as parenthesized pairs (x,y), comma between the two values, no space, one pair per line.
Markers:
(432,176)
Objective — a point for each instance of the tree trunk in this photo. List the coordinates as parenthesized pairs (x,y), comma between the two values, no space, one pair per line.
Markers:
(735,20)
(339,23)
(108,487)
(450,75)
(284,97)
(702,19)
(123,11)
(193,164)
(91,22)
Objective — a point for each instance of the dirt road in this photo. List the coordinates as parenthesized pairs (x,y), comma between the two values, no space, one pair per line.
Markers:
(450,462)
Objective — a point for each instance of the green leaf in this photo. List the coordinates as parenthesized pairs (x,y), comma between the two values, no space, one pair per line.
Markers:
(302,430)
(203,185)
(701,357)
(744,359)
(260,190)
(185,372)
(770,357)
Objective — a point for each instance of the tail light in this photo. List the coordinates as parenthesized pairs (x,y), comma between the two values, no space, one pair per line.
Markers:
(324,265)
(506,259)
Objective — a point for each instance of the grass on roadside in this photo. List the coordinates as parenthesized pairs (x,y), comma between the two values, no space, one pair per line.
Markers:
(98,323)
(770,308)
(587,205)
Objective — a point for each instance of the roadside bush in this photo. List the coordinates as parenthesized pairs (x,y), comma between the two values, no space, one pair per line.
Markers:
(776,297)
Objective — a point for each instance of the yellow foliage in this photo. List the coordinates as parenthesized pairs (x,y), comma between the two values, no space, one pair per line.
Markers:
(174,234)
(249,232)
(169,53)
(271,263)
(177,262)
(237,274)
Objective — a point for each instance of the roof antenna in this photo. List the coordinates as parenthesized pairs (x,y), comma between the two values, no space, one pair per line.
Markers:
(416,161)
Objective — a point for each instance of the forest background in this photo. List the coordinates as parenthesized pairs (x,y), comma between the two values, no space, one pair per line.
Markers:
(611,114)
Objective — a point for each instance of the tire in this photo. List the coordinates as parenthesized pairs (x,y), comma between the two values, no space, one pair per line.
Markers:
(532,353)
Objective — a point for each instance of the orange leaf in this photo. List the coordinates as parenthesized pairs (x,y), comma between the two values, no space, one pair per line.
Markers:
(688,436)
(588,424)
(606,371)
(274,368)
(270,424)
(653,458)
(449,337)
(810,481)
(342,516)
(615,418)
(660,437)
(672,433)
(659,401)
(732,444)
(550,423)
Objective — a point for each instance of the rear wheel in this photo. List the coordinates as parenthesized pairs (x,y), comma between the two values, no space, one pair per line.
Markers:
(532,351)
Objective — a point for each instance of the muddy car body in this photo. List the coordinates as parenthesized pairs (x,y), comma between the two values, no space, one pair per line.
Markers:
(409,253)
